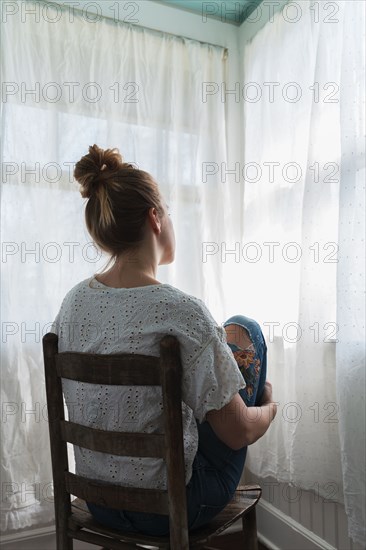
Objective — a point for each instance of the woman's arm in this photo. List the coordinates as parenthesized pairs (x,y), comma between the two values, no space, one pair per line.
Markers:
(238,425)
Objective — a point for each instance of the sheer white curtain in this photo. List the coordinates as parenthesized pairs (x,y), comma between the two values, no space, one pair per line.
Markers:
(68,85)
(304,199)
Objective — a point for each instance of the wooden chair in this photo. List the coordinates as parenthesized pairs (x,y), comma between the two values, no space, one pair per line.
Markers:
(73,519)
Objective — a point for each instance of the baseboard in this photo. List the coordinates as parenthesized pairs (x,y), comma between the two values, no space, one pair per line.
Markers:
(277,531)
(28,534)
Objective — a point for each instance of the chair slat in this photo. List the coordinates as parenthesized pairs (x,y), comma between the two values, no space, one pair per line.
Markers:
(116,443)
(126,369)
(133,499)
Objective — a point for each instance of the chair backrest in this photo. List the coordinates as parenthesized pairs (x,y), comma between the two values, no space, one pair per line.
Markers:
(129,370)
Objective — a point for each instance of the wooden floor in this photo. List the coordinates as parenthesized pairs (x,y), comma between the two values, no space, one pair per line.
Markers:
(49,543)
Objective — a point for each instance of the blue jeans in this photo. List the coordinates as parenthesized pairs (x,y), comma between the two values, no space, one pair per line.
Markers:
(216,469)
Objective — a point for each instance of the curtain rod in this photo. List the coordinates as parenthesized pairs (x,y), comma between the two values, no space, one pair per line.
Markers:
(80,11)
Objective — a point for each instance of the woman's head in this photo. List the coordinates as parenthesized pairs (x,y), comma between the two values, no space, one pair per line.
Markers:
(124,205)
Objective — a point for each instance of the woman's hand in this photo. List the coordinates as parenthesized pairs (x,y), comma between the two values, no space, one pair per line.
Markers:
(267,399)
(267,394)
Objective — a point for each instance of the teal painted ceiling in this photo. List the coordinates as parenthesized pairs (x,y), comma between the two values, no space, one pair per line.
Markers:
(229,11)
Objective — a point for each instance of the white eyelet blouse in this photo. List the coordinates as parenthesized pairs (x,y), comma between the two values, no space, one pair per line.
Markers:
(94,318)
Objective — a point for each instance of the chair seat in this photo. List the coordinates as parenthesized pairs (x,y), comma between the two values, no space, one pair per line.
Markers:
(245,498)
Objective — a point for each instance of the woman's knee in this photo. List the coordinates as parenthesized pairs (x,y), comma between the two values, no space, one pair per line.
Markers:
(242,331)
(238,335)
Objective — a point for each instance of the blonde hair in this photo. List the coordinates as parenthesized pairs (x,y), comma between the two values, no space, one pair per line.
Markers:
(119,198)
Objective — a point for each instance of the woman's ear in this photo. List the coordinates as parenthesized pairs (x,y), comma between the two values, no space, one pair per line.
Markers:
(154,219)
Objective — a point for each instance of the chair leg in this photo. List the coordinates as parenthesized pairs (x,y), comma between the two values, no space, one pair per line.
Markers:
(63,542)
(250,529)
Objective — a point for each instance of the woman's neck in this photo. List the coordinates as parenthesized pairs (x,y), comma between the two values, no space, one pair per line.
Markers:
(126,281)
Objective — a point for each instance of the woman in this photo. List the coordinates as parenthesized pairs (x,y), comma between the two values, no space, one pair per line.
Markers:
(227,403)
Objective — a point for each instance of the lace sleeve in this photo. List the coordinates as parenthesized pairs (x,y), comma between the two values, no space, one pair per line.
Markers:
(212,377)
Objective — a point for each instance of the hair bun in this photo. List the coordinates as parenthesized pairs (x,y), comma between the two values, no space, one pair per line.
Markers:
(93,168)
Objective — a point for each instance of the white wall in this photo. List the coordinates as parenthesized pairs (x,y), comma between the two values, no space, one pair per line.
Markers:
(155,15)
(261,15)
